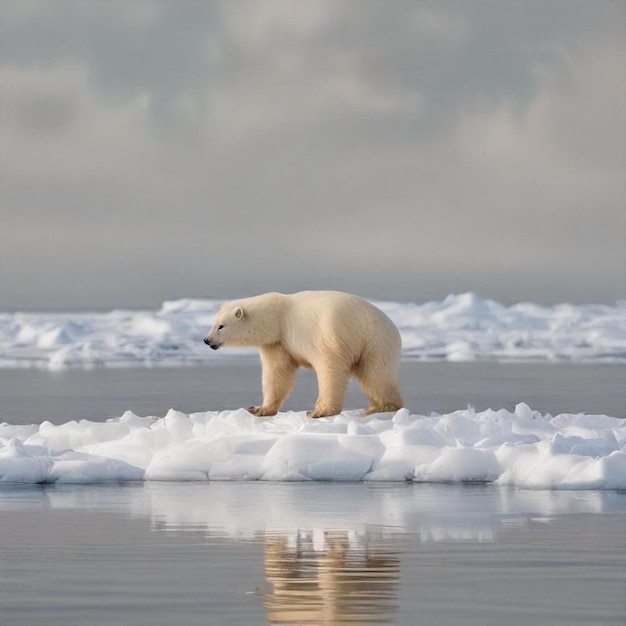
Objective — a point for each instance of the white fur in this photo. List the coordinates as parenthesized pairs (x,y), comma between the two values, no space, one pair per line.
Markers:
(337,334)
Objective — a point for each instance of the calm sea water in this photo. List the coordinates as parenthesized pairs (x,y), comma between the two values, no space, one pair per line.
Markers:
(32,396)
(312,553)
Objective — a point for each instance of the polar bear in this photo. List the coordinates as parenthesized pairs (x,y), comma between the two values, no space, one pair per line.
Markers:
(336,334)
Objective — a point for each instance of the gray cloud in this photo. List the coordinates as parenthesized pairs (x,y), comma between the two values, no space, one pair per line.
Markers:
(403,150)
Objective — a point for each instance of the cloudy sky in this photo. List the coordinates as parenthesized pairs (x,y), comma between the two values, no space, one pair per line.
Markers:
(152,150)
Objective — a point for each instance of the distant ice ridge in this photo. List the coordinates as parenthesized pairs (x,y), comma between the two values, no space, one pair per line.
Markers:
(523,448)
(460,328)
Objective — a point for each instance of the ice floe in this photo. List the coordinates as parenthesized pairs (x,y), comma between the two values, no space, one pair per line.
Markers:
(522,448)
(460,328)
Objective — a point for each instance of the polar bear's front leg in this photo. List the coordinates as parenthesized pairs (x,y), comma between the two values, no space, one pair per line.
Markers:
(278,377)
(332,381)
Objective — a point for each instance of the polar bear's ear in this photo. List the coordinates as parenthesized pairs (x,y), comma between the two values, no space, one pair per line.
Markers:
(239,313)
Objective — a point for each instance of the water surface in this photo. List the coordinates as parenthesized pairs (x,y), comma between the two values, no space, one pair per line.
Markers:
(32,396)
(313,553)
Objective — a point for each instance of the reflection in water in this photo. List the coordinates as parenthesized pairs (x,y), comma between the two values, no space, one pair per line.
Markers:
(331,551)
(325,577)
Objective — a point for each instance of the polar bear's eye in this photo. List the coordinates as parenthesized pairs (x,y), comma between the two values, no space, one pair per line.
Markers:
(220,327)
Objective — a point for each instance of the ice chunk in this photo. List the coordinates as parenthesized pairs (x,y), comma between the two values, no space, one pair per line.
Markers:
(524,448)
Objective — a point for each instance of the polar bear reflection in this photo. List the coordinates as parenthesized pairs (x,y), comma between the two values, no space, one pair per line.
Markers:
(330,577)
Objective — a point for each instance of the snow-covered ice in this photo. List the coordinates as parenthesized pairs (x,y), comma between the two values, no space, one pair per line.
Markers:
(522,448)
(460,328)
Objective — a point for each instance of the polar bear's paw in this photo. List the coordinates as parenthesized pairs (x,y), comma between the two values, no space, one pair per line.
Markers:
(262,411)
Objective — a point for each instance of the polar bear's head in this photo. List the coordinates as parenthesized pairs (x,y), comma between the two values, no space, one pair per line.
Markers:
(249,322)
(228,327)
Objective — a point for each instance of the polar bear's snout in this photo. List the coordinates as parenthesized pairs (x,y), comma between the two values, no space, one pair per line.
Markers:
(211,343)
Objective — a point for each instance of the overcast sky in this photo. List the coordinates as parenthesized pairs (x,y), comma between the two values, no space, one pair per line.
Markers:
(405,150)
